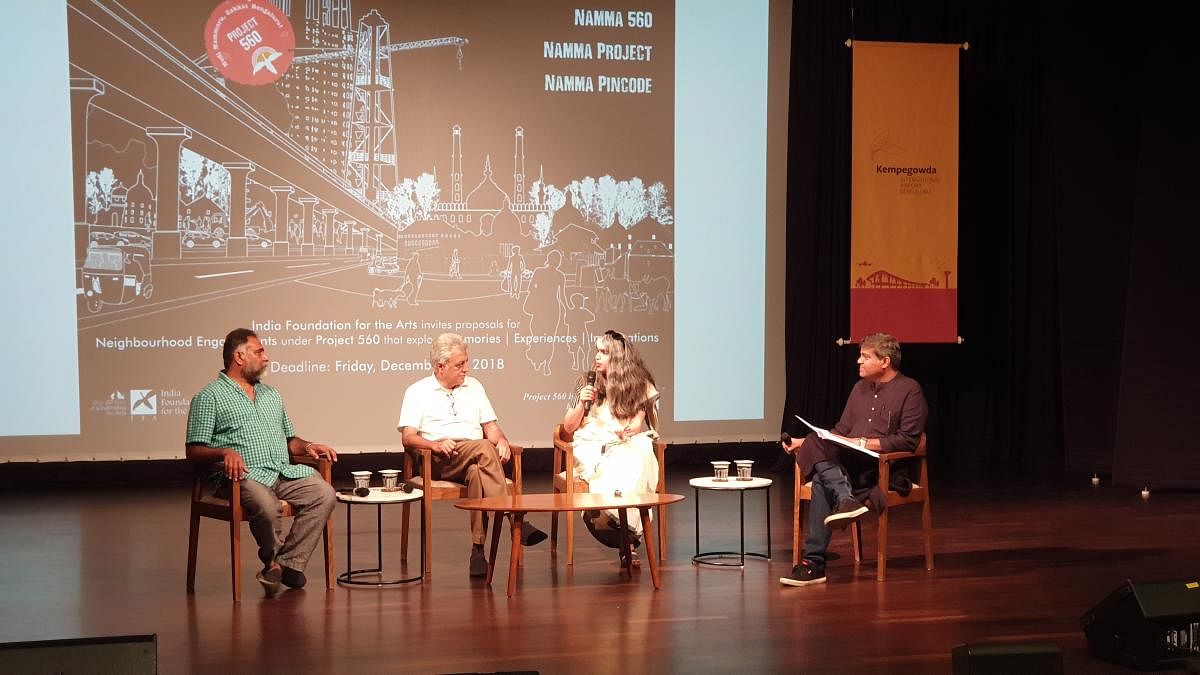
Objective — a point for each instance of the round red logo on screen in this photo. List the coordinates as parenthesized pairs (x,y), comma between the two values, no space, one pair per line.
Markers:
(249,41)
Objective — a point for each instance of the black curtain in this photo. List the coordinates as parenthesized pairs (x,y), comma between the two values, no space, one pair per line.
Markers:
(1052,108)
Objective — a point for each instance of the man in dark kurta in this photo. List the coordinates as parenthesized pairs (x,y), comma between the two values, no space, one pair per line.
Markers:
(885,413)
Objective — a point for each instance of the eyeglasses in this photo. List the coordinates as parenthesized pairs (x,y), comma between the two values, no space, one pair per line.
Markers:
(453,409)
(615,335)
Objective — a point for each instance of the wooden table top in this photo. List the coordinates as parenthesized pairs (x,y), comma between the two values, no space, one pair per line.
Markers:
(560,501)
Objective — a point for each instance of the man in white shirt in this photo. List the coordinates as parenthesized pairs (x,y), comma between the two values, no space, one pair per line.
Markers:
(450,414)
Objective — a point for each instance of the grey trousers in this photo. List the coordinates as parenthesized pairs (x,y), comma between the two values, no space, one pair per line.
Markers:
(312,499)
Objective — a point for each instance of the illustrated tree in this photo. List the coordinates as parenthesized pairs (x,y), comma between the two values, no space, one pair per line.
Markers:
(97,190)
(426,192)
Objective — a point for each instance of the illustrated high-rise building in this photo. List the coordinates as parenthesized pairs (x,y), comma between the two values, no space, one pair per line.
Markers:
(319,94)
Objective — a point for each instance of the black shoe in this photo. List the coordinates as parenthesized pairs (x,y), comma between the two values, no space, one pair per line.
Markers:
(628,557)
(479,564)
(804,574)
(530,535)
(270,577)
(846,512)
(293,578)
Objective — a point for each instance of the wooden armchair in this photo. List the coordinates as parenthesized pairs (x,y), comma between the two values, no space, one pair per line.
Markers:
(437,490)
(918,495)
(206,505)
(564,460)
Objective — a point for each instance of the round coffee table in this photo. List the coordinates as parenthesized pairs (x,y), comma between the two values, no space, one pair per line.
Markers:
(559,502)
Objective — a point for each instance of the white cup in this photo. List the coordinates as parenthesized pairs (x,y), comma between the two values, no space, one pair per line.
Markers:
(743,468)
(362,479)
(391,479)
(720,470)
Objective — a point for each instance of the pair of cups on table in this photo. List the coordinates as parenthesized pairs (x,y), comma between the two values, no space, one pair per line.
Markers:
(721,469)
(391,479)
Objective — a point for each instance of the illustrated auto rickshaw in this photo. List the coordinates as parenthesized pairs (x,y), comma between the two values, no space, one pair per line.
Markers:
(116,276)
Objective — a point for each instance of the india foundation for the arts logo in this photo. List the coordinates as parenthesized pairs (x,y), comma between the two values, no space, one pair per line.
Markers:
(143,402)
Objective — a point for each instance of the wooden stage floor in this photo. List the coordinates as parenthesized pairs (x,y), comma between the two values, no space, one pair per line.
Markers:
(1009,566)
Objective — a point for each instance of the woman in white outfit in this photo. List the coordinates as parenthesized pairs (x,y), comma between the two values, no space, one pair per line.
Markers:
(613,452)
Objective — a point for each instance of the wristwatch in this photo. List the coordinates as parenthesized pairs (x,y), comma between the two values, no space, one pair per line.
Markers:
(862,443)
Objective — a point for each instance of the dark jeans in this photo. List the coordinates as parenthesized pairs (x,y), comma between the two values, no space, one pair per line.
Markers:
(816,539)
(825,464)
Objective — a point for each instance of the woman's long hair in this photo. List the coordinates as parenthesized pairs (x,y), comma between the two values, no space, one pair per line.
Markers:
(624,385)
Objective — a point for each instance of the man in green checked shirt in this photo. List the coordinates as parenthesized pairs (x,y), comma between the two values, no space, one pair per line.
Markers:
(240,422)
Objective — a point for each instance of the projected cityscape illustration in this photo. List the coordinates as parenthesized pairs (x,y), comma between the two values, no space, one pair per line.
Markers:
(190,190)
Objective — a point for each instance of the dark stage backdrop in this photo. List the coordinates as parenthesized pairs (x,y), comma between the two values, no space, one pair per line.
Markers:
(1157,413)
(1076,207)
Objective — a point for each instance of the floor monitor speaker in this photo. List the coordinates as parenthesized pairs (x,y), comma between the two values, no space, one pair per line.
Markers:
(132,654)
(1146,625)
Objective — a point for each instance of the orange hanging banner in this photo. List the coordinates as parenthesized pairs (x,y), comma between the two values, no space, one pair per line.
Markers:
(904,192)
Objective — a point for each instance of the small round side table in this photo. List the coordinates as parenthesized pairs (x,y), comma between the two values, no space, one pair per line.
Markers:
(741,487)
(379,497)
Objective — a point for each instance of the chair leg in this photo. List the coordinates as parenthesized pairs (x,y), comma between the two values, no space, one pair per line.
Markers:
(856,541)
(428,531)
(328,544)
(193,535)
(235,557)
(554,531)
(797,528)
(881,547)
(661,515)
(404,533)
(570,537)
(927,526)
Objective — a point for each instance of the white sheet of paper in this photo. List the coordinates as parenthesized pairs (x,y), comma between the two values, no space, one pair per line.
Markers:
(826,435)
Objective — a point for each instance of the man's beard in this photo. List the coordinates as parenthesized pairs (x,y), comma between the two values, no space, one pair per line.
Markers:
(253,375)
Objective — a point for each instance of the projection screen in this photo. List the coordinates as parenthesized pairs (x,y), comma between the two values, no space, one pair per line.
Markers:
(525,174)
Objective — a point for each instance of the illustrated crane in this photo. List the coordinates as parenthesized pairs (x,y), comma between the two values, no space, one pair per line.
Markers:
(371,156)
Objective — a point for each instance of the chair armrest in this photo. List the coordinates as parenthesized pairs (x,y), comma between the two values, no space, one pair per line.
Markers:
(407,461)
(564,456)
(886,459)
(518,469)
(660,450)
(561,445)
(203,469)
(425,455)
(919,451)
(323,466)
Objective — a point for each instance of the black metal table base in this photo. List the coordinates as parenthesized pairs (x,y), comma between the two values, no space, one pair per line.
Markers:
(348,578)
(707,557)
